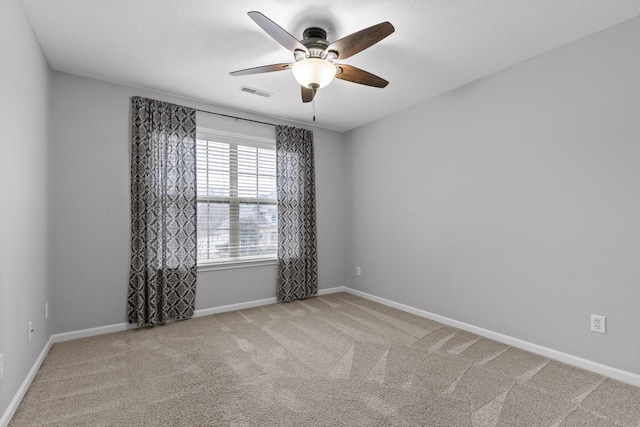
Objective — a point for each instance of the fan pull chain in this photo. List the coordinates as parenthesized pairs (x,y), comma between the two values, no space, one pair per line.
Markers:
(314,108)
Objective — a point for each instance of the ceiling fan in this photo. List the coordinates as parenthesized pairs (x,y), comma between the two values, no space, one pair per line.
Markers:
(315,57)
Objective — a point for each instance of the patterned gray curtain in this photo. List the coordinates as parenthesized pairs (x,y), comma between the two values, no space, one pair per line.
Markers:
(162,279)
(297,245)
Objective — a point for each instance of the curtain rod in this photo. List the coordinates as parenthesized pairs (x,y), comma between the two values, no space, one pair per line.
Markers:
(237,118)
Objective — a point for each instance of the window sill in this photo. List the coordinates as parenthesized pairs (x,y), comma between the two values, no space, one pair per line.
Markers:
(227,265)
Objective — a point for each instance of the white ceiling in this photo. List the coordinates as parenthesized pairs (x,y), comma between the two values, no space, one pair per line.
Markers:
(188,47)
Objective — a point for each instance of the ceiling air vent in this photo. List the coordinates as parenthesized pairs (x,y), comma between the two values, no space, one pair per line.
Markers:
(254,91)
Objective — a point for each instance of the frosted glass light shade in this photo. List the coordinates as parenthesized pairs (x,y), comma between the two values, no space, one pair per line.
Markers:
(314,72)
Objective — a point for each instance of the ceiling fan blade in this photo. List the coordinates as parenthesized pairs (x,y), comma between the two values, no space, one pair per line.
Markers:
(356,75)
(278,33)
(357,42)
(307,94)
(263,69)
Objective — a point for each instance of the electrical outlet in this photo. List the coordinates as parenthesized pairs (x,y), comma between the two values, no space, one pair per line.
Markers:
(46,311)
(358,271)
(30,329)
(598,324)
(1,365)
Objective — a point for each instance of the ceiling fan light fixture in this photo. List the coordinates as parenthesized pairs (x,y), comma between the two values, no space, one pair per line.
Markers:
(314,72)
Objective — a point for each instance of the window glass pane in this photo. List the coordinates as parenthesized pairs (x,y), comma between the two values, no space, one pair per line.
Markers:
(258,229)
(267,187)
(247,185)
(247,159)
(216,184)
(213,230)
(213,168)
(237,209)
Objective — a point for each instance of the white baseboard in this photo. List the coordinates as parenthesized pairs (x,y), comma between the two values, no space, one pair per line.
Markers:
(608,371)
(256,303)
(118,327)
(233,307)
(333,290)
(91,332)
(15,402)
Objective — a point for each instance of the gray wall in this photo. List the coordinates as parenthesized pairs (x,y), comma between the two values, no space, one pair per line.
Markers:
(512,203)
(24,214)
(90,165)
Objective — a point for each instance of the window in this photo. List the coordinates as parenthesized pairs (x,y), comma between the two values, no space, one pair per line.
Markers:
(237,201)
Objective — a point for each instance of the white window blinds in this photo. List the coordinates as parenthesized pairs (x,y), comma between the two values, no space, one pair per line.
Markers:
(237,201)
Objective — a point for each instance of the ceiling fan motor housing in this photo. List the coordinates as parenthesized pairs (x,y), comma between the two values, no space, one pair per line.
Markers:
(315,40)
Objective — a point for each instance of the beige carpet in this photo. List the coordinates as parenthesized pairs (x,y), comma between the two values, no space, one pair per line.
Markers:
(331,360)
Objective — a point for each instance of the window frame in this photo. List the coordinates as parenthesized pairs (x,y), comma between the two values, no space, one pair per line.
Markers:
(235,139)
